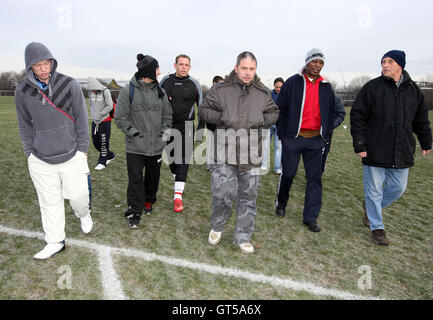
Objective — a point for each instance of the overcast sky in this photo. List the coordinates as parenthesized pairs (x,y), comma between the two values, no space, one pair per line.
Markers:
(102,38)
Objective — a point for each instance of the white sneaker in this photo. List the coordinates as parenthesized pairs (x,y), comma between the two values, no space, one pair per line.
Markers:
(214,238)
(86,223)
(246,248)
(108,161)
(49,250)
(279,171)
(99,167)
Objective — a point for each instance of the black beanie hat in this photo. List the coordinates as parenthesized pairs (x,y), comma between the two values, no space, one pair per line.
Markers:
(146,66)
(398,56)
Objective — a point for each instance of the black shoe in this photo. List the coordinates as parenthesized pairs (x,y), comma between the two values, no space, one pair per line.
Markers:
(280,211)
(313,226)
(134,221)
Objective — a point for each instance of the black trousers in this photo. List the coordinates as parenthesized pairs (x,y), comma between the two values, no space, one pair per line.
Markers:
(311,150)
(180,166)
(101,141)
(141,190)
(326,152)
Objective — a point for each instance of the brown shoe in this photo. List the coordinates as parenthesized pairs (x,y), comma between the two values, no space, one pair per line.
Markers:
(365,220)
(379,237)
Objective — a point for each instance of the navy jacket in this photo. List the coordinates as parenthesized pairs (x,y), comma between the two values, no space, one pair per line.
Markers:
(274,95)
(291,104)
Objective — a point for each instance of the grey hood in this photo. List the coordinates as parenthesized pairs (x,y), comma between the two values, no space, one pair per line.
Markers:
(94,84)
(100,102)
(36,52)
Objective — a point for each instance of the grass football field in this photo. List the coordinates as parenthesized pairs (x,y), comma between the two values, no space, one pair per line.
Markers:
(168,257)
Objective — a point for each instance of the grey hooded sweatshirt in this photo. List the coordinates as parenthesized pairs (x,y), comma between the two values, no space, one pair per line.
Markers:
(100,103)
(52,135)
(145,119)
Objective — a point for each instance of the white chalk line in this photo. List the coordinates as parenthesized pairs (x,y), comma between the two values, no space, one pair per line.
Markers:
(115,291)
(111,285)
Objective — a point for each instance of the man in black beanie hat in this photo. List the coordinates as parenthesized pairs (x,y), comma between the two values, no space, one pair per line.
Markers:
(383,118)
(143,117)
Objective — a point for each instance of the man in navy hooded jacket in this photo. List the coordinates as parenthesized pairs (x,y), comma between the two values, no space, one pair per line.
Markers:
(307,113)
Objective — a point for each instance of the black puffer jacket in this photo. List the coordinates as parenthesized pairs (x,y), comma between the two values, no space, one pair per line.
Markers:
(383,120)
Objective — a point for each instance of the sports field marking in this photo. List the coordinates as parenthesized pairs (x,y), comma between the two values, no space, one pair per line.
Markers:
(113,288)
(110,282)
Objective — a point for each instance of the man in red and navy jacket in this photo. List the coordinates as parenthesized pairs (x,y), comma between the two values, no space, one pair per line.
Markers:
(307,113)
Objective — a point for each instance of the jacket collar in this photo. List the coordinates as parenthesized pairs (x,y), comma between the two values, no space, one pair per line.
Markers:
(232,79)
(406,78)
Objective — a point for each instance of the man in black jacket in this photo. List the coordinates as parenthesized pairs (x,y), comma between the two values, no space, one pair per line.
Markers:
(184,93)
(386,113)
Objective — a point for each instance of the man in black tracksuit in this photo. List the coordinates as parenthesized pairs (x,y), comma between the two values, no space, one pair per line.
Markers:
(184,92)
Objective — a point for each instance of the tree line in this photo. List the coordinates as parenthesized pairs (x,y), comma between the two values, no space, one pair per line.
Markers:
(10,79)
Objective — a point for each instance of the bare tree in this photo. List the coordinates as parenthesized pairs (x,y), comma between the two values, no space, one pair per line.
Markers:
(205,90)
(427,81)
(334,84)
(428,78)
(10,79)
(357,83)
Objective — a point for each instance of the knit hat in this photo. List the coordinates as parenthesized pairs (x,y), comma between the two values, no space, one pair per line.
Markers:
(146,67)
(398,56)
(314,54)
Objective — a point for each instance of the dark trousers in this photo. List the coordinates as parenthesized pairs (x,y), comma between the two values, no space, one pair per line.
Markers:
(326,153)
(142,190)
(101,140)
(180,167)
(311,151)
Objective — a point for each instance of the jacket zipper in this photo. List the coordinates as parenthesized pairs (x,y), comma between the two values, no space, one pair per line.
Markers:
(396,127)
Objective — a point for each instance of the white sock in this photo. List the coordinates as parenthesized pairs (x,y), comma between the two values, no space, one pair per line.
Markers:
(178,189)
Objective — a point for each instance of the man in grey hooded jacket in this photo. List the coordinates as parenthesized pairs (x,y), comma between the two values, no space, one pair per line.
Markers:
(101,104)
(143,113)
(53,125)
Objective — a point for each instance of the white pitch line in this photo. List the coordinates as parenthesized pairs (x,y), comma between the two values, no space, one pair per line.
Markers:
(217,270)
(110,282)
(112,286)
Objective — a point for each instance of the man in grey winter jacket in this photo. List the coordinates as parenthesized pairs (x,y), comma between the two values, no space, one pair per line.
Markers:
(101,104)
(53,125)
(240,108)
(143,113)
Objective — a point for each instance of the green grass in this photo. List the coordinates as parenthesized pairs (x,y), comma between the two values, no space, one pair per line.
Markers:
(329,259)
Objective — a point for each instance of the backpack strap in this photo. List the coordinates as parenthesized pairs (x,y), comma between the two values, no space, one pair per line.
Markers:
(131,92)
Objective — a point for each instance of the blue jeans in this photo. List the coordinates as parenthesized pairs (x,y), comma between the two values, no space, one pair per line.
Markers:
(277,149)
(382,186)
